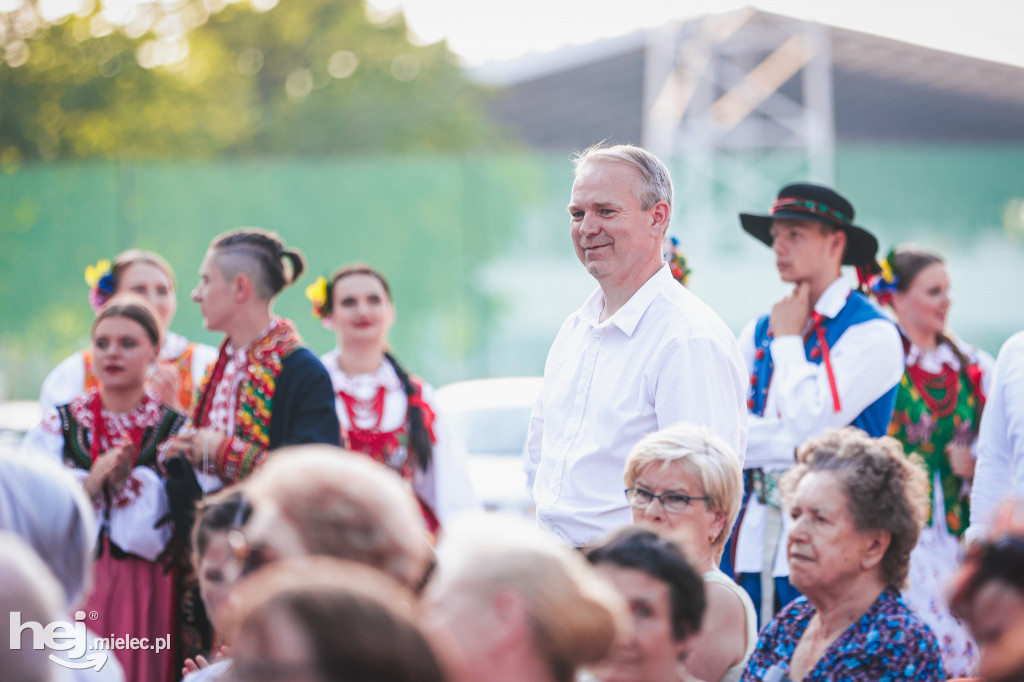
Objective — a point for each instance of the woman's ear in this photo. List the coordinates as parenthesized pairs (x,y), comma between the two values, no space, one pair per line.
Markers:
(718,525)
(875,547)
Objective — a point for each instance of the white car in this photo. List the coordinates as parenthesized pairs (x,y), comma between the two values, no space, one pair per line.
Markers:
(16,418)
(492,417)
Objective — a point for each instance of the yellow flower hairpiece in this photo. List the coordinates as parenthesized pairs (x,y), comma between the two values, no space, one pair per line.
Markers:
(886,270)
(317,295)
(94,273)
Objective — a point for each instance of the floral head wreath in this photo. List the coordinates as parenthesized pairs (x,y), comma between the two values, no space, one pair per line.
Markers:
(100,278)
(317,295)
(883,285)
(676,260)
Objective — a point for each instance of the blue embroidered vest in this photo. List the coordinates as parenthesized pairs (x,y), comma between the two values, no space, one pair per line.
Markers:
(875,418)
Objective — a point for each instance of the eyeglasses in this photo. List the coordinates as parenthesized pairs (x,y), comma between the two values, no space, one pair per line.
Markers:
(672,503)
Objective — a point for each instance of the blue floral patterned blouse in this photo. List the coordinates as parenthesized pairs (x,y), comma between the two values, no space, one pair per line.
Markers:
(889,643)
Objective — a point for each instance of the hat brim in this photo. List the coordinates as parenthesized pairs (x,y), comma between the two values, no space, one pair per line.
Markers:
(861,245)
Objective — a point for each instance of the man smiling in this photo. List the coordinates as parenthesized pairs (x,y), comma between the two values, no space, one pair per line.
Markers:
(641,354)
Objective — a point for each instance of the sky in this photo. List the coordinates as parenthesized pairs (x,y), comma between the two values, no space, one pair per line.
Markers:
(492,30)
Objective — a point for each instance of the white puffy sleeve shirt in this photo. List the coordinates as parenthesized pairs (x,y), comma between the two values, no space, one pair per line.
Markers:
(665,357)
(867,361)
(999,473)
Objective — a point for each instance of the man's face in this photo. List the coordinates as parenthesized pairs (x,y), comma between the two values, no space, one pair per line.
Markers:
(613,236)
(804,250)
(214,294)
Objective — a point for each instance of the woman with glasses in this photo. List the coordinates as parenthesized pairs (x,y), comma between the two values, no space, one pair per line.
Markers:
(686,484)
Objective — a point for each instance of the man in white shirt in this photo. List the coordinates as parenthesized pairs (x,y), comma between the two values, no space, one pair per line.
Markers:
(643,352)
(825,357)
(999,473)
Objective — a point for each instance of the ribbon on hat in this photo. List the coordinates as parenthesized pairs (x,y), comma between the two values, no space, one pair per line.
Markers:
(808,206)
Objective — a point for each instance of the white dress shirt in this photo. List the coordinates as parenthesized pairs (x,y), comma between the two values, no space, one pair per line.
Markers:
(999,473)
(663,358)
(867,361)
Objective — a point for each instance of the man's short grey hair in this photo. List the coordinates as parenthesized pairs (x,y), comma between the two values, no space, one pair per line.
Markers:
(43,503)
(656,184)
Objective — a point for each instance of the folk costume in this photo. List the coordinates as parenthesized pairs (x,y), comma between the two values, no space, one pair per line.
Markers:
(939,401)
(73,376)
(374,413)
(844,370)
(134,587)
(271,393)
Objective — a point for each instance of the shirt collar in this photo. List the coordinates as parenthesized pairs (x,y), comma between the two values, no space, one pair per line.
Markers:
(242,352)
(833,298)
(628,316)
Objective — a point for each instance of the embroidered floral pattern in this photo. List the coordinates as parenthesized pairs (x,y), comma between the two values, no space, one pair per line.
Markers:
(888,643)
(246,448)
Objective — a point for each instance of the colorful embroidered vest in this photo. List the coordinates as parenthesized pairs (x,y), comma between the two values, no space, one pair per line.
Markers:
(874,419)
(925,424)
(154,427)
(246,448)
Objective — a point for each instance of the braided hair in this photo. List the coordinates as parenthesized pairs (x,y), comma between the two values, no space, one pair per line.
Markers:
(260,254)
(420,444)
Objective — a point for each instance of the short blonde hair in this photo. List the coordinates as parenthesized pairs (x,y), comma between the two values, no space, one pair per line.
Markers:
(702,455)
(575,615)
(345,505)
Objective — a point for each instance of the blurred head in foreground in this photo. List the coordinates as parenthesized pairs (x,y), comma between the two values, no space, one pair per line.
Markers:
(317,619)
(28,589)
(517,604)
(324,501)
(666,601)
(989,597)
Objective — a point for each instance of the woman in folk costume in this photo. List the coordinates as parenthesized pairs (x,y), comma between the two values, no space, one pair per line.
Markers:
(181,364)
(110,436)
(265,390)
(386,412)
(938,409)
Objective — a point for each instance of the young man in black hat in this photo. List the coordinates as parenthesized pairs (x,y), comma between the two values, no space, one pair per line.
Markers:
(825,356)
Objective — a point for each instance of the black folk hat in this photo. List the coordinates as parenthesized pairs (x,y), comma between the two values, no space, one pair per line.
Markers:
(818,204)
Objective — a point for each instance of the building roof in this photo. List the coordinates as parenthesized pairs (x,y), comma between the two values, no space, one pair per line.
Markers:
(884,90)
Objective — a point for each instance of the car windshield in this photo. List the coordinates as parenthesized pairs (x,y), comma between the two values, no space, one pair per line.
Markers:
(493,431)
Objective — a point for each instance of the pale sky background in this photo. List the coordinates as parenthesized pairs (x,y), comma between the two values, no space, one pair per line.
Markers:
(486,30)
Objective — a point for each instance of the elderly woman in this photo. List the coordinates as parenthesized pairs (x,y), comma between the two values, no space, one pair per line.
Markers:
(685,483)
(516,605)
(856,505)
